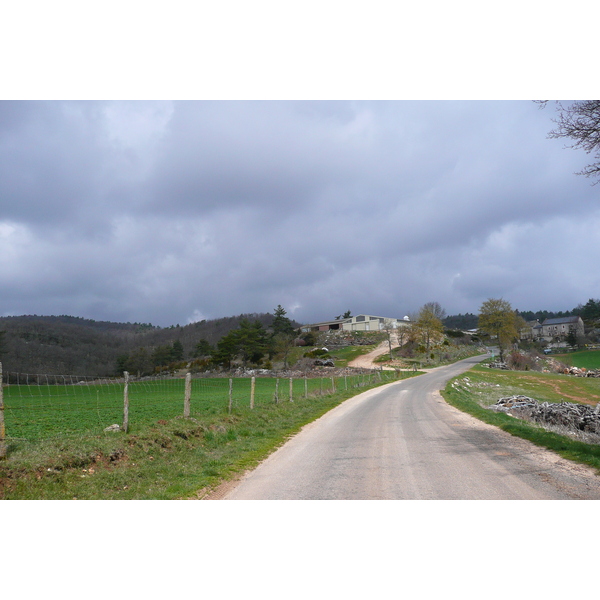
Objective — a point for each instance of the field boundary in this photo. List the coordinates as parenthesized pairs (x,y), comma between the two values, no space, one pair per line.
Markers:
(41,407)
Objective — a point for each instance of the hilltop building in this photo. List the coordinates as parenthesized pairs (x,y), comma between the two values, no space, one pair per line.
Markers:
(358,323)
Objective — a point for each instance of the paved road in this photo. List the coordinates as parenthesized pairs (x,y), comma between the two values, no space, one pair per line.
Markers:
(402,441)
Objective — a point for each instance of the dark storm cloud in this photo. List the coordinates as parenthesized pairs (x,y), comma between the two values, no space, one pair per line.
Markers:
(169,211)
(268,155)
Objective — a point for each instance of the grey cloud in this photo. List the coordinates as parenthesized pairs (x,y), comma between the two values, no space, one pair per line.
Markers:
(159,211)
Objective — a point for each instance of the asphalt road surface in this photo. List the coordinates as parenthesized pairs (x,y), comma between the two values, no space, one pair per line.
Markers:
(402,441)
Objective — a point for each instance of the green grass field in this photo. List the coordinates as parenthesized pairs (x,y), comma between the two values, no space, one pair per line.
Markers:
(161,457)
(587,359)
(36,412)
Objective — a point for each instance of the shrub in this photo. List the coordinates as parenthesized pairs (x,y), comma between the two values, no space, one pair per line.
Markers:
(453,333)
(519,361)
(316,353)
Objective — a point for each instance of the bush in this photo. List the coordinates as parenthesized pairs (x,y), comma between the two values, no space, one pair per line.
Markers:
(316,353)
(309,338)
(453,333)
(518,361)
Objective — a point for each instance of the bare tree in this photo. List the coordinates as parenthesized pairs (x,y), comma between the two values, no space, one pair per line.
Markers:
(580,122)
(389,329)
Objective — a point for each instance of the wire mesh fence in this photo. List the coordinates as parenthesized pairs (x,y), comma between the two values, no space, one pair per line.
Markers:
(37,407)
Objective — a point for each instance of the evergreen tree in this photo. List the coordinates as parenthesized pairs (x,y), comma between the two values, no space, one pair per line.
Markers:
(589,312)
(162,356)
(203,348)
(226,350)
(177,351)
(281,324)
(252,342)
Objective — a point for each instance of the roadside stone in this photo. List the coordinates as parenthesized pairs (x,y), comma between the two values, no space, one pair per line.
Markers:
(114,427)
(573,416)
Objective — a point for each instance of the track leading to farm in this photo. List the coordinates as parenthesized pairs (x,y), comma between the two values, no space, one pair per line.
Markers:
(402,441)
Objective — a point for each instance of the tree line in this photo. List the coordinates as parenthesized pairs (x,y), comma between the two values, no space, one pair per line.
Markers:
(58,345)
(71,345)
(248,343)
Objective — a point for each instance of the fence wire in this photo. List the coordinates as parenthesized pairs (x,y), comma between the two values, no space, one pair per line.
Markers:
(38,407)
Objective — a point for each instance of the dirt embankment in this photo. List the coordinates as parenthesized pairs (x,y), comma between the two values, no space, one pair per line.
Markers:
(367,361)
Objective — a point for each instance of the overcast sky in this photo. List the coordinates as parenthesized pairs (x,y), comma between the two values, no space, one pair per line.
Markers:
(171,212)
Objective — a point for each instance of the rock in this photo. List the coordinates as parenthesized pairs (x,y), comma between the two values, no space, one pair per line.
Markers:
(114,427)
(324,362)
(572,416)
(497,364)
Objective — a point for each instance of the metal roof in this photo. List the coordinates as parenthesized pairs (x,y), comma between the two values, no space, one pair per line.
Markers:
(560,320)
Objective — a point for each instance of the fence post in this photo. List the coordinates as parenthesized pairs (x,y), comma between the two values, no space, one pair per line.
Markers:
(188,394)
(277,390)
(252,384)
(305,387)
(291,389)
(230,395)
(126,403)
(332,385)
(2,429)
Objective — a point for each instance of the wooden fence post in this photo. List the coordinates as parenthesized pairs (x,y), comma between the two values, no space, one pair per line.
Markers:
(332,385)
(291,389)
(277,390)
(126,403)
(230,395)
(252,384)
(188,394)
(305,387)
(3,449)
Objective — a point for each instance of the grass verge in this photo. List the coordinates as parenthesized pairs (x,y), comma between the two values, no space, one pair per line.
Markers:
(168,459)
(343,356)
(480,387)
(436,358)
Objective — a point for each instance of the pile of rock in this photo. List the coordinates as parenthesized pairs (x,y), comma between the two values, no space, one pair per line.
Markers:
(580,372)
(575,417)
(324,362)
(497,364)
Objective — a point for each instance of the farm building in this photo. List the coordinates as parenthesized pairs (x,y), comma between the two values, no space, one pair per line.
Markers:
(358,323)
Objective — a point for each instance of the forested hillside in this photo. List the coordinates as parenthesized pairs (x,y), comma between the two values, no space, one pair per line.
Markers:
(588,312)
(74,346)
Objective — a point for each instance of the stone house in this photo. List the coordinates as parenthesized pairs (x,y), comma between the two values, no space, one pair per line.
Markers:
(532,331)
(552,330)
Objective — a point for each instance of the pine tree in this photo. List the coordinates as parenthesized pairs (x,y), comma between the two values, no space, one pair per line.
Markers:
(281,324)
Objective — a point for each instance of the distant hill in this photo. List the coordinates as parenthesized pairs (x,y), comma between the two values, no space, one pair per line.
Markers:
(66,345)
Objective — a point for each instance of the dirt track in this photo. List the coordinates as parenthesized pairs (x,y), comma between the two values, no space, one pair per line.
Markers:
(366,361)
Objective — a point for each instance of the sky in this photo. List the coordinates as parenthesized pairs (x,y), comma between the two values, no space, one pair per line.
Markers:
(171,212)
